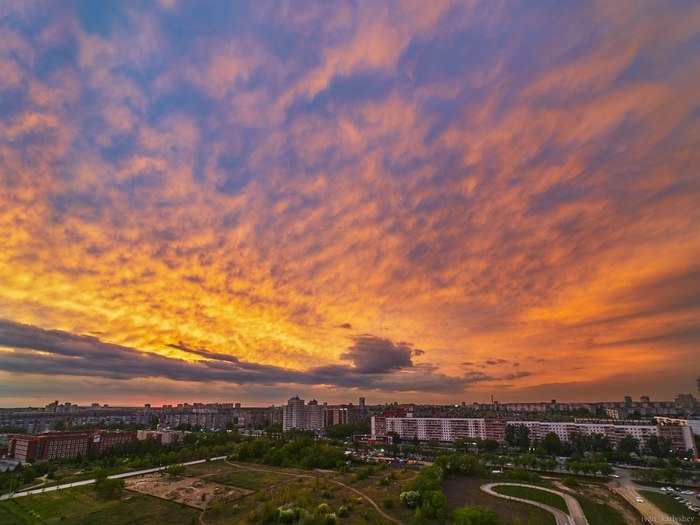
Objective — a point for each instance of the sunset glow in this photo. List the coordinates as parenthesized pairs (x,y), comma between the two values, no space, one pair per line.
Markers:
(419,201)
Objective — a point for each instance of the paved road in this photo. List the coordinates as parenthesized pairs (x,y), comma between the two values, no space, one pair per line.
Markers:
(575,516)
(91,481)
(628,489)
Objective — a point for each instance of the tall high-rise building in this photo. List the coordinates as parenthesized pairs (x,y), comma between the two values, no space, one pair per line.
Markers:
(293,414)
(314,416)
(362,402)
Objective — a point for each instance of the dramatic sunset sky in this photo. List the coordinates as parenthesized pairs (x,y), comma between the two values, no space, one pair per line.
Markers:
(426,201)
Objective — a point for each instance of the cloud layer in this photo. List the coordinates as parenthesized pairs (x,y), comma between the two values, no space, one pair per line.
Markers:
(439,197)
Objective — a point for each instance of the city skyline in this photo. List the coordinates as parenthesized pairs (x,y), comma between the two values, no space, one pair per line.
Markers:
(434,200)
(359,401)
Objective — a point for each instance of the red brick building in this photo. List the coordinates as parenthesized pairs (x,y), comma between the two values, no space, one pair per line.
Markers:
(64,445)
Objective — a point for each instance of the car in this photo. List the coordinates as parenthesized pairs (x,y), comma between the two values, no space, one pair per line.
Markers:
(663,489)
(639,500)
(614,476)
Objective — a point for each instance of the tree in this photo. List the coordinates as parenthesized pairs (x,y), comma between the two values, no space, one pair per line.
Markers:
(490,445)
(346,430)
(100,475)
(28,474)
(518,436)
(410,498)
(175,470)
(628,444)
(659,446)
(552,443)
(433,505)
(464,465)
(110,488)
(605,469)
(473,515)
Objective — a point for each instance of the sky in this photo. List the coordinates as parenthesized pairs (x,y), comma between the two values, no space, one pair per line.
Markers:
(406,201)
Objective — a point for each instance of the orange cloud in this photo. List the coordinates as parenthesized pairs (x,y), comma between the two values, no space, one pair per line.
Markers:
(438,175)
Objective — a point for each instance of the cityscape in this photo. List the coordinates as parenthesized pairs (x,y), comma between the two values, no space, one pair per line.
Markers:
(360,262)
(677,421)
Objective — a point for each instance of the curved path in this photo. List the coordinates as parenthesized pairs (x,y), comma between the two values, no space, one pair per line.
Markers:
(574,517)
(365,496)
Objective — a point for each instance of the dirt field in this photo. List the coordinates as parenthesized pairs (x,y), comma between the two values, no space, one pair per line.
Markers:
(194,492)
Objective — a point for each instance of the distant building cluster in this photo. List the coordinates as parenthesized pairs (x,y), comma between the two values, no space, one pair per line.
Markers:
(645,407)
(210,416)
(312,416)
(678,432)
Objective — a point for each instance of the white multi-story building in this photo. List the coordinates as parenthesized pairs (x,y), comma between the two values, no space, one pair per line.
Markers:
(564,429)
(451,429)
(440,429)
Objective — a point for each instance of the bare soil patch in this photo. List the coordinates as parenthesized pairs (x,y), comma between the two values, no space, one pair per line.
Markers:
(194,492)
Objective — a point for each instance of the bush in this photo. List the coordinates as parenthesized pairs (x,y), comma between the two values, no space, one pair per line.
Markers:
(388,503)
(410,498)
(175,470)
(570,481)
(110,488)
(343,511)
(473,515)
(520,474)
(433,505)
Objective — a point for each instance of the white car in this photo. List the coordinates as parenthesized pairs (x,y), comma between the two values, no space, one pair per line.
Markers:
(663,489)
(639,500)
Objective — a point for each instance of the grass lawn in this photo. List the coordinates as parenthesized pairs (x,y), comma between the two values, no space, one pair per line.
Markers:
(466,491)
(304,493)
(81,506)
(384,487)
(249,479)
(533,494)
(600,513)
(221,472)
(669,505)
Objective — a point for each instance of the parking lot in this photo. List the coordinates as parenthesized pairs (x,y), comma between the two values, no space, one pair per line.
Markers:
(688,497)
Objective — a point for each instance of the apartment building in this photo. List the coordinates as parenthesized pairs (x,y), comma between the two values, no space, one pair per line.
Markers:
(451,429)
(439,429)
(166,437)
(294,414)
(64,445)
